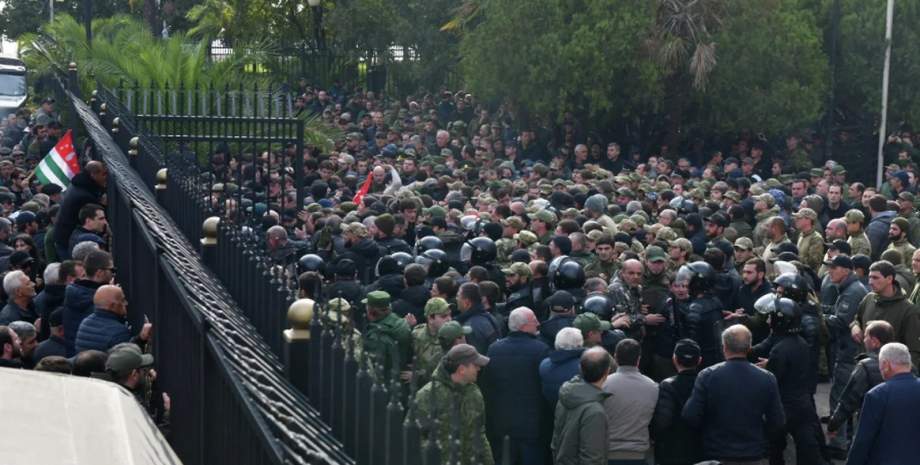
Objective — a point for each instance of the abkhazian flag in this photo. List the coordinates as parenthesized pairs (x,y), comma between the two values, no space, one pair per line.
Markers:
(60,164)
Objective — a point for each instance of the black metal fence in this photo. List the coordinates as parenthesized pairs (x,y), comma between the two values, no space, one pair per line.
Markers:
(231,400)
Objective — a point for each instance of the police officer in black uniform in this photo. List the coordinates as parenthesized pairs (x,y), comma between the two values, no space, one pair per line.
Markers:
(704,313)
(785,354)
(797,288)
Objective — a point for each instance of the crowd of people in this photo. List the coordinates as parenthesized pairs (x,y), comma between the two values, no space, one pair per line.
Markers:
(543,289)
(62,310)
(586,305)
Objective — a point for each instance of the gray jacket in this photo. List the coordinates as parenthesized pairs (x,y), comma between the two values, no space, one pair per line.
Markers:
(580,431)
(840,314)
(629,412)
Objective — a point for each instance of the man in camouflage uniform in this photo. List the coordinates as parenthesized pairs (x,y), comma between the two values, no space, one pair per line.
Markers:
(543,224)
(906,202)
(527,240)
(338,315)
(451,334)
(425,342)
(517,282)
(605,266)
(897,232)
(388,339)
(511,226)
(858,240)
(811,244)
(579,251)
(450,409)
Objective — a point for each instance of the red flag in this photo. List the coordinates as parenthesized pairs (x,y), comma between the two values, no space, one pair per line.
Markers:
(364,189)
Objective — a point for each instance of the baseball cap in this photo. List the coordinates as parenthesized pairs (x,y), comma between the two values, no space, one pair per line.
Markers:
(462,354)
(451,330)
(655,254)
(518,269)
(514,222)
(806,213)
(687,352)
(545,216)
(744,243)
(590,322)
(437,306)
(840,261)
(854,216)
(785,247)
(126,357)
(718,219)
(561,300)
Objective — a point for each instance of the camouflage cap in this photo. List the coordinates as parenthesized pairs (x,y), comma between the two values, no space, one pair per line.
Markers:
(806,213)
(854,216)
(517,269)
(437,306)
(816,172)
(436,212)
(514,222)
(595,235)
(590,322)
(377,299)
(666,234)
(451,330)
(908,196)
(526,237)
(733,195)
(357,229)
(337,310)
(545,216)
(839,169)
(744,243)
(767,199)
(463,354)
(682,243)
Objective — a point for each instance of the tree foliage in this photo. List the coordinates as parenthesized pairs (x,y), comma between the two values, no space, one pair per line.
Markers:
(862,52)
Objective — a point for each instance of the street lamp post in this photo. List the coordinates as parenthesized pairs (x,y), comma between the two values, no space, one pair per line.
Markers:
(886,71)
(317,7)
(88,20)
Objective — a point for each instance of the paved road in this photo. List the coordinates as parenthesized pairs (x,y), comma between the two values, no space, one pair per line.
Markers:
(821,401)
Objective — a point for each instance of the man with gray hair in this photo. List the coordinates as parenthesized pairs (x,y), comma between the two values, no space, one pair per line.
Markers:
(596,209)
(83,249)
(20,291)
(513,391)
(889,425)
(735,404)
(28,341)
(561,364)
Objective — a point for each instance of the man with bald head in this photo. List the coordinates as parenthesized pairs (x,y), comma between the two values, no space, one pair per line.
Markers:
(87,186)
(513,390)
(627,299)
(108,326)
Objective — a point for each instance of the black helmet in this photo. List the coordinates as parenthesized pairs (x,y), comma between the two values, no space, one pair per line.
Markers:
(311,262)
(568,275)
(785,316)
(402,260)
(794,285)
(478,251)
(699,277)
(600,305)
(428,243)
(435,260)
(386,265)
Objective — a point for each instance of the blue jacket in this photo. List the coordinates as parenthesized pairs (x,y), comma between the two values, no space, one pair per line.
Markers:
(512,388)
(888,425)
(737,406)
(51,346)
(560,366)
(101,331)
(78,304)
(877,231)
(485,328)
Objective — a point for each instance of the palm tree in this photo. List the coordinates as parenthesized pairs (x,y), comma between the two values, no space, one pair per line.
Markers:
(683,37)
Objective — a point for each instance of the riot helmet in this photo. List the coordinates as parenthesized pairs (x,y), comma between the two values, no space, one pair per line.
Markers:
(568,275)
(428,243)
(794,286)
(600,305)
(478,251)
(699,277)
(435,261)
(311,262)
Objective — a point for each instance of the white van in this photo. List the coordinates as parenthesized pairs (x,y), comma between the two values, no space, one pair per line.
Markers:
(13,89)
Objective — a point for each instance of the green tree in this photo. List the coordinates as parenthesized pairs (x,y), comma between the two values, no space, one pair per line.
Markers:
(862,52)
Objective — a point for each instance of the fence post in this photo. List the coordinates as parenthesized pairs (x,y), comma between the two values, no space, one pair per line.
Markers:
(133,151)
(209,231)
(297,344)
(73,81)
(160,188)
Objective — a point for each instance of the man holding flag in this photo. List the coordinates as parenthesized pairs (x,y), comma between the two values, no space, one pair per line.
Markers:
(61,167)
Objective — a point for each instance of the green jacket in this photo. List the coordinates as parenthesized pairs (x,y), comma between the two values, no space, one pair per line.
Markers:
(388,343)
(583,258)
(905,249)
(448,411)
(606,270)
(428,353)
(811,249)
(903,316)
(580,430)
(860,245)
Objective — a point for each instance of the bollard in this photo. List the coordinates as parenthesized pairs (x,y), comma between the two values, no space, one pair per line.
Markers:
(116,122)
(73,81)
(209,231)
(297,343)
(133,147)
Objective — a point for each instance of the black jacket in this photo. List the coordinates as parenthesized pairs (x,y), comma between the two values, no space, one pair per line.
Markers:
(737,406)
(485,328)
(512,388)
(50,298)
(365,254)
(82,191)
(675,441)
(392,284)
(790,362)
(412,300)
(551,327)
(704,315)
(51,346)
(347,289)
(864,377)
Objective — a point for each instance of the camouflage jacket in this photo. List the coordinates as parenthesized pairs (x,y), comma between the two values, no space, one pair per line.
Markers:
(427,351)
(453,415)
(600,269)
(859,244)
(905,248)
(387,343)
(811,249)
